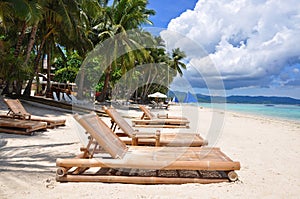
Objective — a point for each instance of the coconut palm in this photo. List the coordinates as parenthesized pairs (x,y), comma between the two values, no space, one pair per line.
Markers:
(62,25)
(121,16)
(18,14)
(175,63)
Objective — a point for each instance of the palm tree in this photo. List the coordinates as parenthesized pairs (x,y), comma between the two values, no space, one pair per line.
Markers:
(62,25)
(20,14)
(49,25)
(175,63)
(121,16)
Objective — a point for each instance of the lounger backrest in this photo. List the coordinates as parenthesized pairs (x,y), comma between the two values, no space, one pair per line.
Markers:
(61,96)
(67,98)
(104,136)
(73,98)
(55,96)
(16,107)
(147,112)
(119,120)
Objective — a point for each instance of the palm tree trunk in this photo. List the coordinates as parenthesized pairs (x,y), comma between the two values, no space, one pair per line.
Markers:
(36,67)
(105,86)
(81,82)
(18,88)
(48,71)
(18,83)
(28,52)
(150,79)
(28,87)
(20,40)
(31,42)
(6,88)
(36,63)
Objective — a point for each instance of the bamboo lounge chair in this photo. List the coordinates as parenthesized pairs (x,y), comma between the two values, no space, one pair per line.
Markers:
(23,127)
(107,159)
(140,138)
(147,114)
(160,105)
(148,119)
(17,111)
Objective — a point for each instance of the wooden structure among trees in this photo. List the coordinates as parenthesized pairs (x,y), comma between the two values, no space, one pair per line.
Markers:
(107,159)
(17,111)
(130,135)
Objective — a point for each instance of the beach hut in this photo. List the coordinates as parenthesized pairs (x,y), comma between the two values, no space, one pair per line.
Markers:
(190,98)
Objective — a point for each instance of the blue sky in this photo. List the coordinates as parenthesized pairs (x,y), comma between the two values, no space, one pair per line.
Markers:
(168,9)
(252,44)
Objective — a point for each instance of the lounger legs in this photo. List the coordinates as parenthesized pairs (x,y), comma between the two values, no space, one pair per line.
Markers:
(232,176)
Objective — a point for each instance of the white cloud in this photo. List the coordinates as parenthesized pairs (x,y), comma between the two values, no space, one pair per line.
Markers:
(250,42)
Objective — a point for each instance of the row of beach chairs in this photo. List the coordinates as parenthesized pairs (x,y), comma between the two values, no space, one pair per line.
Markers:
(138,157)
(148,119)
(67,98)
(19,121)
(107,158)
(187,139)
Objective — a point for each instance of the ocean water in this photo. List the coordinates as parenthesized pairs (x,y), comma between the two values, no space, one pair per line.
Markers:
(287,112)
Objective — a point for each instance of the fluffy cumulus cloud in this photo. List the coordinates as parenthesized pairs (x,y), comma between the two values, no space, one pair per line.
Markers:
(250,43)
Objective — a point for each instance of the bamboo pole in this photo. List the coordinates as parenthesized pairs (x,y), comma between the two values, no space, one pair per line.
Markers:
(150,164)
(137,180)
(160,125)
(164,121)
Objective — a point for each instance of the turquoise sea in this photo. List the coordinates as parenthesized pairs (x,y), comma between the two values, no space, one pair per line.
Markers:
(287,112)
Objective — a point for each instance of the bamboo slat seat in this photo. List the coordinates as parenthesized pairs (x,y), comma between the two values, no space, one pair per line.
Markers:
(159,139)
(17,111)
(24,127)
(141,164)
(148,119)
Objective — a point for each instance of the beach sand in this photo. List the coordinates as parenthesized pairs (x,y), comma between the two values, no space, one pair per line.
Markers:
(268,150)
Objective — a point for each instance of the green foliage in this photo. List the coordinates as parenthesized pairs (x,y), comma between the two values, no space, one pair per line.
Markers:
(8,60)
(66,69)
(77,26)
(99,86)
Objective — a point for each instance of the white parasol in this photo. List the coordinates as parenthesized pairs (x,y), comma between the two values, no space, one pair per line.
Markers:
(157,95)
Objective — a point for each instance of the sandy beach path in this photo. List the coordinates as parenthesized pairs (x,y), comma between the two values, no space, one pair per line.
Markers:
(267,149)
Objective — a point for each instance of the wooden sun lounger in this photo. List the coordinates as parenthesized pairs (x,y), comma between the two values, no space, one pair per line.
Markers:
(150,120)
(148,115)
(107,159)
(17,111)
(23,127)
(131,135)
(159,105)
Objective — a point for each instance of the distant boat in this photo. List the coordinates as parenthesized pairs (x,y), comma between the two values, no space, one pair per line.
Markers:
(269,105)
(190,98)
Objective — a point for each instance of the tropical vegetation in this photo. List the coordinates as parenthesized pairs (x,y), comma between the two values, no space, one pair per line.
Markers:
(61,34)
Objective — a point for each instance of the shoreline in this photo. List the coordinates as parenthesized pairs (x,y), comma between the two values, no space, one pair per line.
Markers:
(264,117)
(256,114)
(268,151)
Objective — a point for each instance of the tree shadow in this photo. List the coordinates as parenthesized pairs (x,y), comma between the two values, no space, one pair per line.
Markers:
(39,158)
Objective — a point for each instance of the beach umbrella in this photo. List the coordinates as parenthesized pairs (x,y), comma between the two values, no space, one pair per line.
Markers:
(175,99)
(190,98)
(157,95)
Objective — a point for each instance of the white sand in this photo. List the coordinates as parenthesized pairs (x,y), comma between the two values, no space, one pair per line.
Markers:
(267,149)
